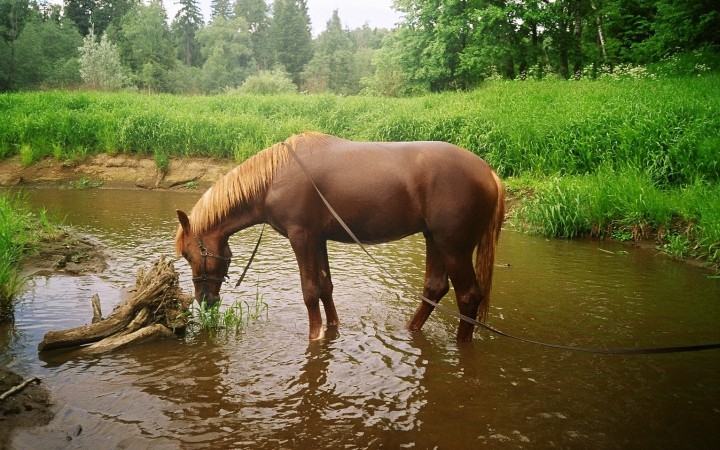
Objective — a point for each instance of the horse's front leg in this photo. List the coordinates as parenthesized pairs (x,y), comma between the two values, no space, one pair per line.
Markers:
(309,255)
(326,289)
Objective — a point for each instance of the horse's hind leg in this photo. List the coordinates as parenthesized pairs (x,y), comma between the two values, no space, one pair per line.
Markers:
(467,292)
(436,284)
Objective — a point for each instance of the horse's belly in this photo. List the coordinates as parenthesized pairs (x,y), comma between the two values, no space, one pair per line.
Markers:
(374,219)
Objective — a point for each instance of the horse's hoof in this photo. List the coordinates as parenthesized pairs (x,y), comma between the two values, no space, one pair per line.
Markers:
(320,335)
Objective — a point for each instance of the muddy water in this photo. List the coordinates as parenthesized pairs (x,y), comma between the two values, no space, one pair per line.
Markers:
(373,384)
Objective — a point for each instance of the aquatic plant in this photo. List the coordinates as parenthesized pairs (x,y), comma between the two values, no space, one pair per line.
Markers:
(234,317)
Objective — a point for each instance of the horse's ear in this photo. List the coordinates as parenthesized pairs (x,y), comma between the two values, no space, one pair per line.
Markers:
(184,221)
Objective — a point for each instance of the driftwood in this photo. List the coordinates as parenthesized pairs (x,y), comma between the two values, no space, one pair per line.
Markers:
(18,388)
(156,309)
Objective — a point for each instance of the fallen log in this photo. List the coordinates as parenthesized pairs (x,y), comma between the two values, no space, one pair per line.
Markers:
(156,309)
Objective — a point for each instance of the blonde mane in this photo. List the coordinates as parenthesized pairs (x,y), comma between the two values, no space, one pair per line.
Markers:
(242,183)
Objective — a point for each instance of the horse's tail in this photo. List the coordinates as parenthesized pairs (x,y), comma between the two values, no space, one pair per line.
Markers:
(485,254)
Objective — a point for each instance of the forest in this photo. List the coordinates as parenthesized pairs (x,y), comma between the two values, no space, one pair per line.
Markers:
(255,46)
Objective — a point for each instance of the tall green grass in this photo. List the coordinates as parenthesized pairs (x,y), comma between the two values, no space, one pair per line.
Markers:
(15,239)
(625,205)
(667,128)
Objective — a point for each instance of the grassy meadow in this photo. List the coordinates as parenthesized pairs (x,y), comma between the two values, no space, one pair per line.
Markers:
(617,158)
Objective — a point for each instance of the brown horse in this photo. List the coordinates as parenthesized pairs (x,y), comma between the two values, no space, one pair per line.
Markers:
(383,191)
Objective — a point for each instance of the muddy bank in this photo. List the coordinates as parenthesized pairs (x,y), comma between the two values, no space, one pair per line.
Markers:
(116,171)
(30,407)
(58,251)
(64,251)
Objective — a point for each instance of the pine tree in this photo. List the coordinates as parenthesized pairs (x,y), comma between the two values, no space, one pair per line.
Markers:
(256,14)
(331,68)
(220,9)
(188,21)
(290,36)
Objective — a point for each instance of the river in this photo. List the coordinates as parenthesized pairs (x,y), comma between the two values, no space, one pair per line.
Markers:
(373,384)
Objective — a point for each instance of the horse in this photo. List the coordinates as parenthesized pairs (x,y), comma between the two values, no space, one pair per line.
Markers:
(383,191)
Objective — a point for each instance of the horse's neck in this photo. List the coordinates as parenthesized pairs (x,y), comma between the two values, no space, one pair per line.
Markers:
(242,216)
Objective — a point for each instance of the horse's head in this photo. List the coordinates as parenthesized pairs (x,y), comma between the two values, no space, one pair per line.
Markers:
(209,257)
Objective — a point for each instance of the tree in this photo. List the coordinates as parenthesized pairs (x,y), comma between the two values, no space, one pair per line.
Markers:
(332,65)
(227,49)
(100,66)
(188,21)
(682,25)
(290,36)
(80,12)
(220,9)
(146,45)
(46,54)
(13,16)
(256,14)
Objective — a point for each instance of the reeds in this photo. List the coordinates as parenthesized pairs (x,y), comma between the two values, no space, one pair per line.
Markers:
(234,317)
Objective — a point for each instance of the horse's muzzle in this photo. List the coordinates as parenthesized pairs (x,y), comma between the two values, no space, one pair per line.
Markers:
(209,299)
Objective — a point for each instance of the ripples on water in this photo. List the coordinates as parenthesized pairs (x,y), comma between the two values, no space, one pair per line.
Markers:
(371,383)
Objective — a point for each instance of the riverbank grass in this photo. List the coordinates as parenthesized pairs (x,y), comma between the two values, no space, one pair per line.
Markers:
(20,230)
(624,205)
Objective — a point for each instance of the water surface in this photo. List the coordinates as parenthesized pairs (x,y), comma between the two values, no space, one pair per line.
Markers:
(373,384)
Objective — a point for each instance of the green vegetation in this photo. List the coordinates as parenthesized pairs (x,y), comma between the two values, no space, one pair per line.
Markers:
(20,230)
(438,45)
(235,317)
(623,158)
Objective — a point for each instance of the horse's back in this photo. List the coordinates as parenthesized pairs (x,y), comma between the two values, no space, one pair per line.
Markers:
(386,190)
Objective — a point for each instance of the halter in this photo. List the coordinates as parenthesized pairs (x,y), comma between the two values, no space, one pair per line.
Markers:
(205,254)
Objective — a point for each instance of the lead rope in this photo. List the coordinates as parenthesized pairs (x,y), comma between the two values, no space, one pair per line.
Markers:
(612,351)
(252,256)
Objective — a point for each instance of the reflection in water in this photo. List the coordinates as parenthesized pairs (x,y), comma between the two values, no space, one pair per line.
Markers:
(371,383)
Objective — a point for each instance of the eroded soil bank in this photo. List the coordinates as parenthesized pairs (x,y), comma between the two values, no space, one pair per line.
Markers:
(118,171)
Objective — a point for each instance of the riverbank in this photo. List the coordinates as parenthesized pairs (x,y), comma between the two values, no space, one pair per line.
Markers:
(32,246)
(620,159)
(120,171)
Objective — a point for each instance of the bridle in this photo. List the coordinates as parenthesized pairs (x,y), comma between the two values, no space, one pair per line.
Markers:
(205,254)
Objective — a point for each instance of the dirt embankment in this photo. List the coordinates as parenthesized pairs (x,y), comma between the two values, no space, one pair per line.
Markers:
(116,171)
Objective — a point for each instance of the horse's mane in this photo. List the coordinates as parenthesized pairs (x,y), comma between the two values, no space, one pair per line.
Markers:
(242,183)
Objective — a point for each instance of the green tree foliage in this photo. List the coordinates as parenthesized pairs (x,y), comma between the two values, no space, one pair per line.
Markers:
(226,46)
(257,15)
(682,25)
(46,54)
(100,66)
(332,66)
(220,9)
(96,14)
(188,21)
(290,36)
(439,44)
(268,82)
(445,44)
(146,45)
